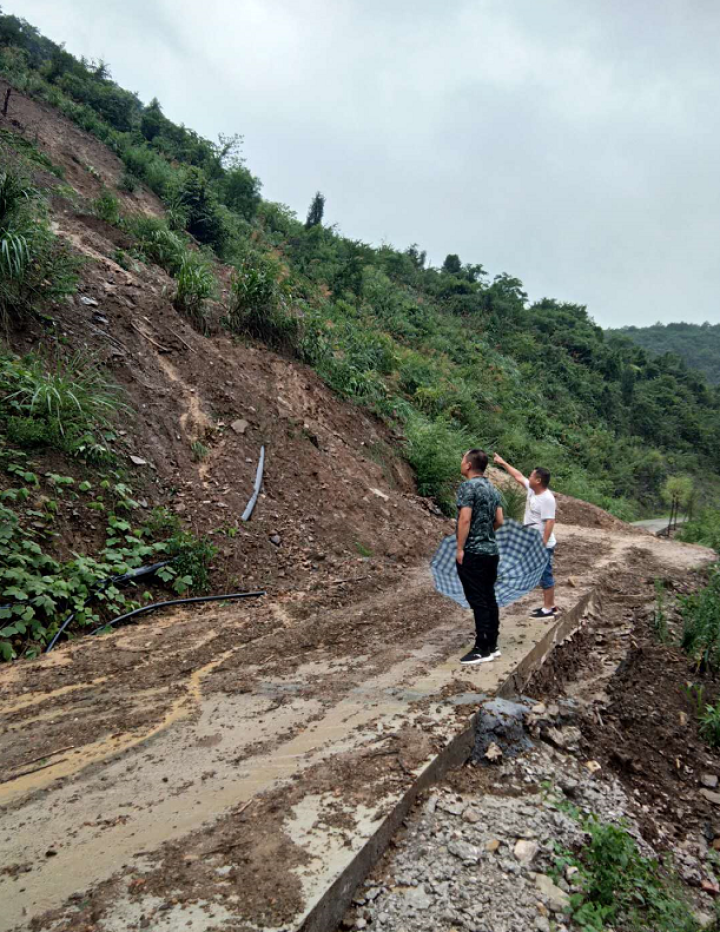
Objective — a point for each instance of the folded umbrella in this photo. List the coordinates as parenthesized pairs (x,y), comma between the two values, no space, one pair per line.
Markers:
(523,557)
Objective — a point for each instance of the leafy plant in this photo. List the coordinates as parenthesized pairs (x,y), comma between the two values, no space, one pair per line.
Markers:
(34,267)
(513,502)
(259,304)
(37,590)
(62,405)
(107,207)
(435,450)
(195,284)
(620,888)
(701,623)
(710,725)
(660,625)
(199,450)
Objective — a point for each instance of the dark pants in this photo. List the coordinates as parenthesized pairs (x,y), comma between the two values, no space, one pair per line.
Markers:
(478,573)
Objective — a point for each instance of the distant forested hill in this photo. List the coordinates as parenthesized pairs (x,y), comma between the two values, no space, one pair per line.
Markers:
(697,344)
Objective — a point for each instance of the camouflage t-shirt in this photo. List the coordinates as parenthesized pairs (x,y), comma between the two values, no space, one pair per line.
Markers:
(484,499)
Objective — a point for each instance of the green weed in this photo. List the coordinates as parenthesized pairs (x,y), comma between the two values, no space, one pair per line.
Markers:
(701,623)
(195,284)
(620,888)
(199,450)
(660,625)
(710,725)
(107,207)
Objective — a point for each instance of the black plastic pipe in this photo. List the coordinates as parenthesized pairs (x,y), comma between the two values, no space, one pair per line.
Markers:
(194,599)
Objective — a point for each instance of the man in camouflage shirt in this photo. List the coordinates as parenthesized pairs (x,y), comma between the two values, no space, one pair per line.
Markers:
(479,515)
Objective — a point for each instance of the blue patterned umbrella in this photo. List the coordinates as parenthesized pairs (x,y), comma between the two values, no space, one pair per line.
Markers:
(523,558)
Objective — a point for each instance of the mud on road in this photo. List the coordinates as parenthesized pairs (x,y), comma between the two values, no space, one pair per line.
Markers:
(233,738)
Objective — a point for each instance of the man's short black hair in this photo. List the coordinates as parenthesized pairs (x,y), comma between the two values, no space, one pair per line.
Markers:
(478,460)
(543,475)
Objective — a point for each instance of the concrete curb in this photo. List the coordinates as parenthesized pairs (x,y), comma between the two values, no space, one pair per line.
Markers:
(329,910)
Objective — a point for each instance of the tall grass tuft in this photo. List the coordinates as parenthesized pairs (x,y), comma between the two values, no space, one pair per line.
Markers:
(63,405)
(34,267)
(701,623)
(195,285)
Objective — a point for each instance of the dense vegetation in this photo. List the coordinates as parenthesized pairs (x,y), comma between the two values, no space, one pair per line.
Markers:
(451,355)
(696,344)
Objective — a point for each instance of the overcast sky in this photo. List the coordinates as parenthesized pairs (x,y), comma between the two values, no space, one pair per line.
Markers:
(572,143)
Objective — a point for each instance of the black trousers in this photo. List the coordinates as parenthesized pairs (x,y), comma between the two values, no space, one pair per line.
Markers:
(478,573)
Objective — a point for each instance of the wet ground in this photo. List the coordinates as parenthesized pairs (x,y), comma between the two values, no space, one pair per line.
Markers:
(225,766)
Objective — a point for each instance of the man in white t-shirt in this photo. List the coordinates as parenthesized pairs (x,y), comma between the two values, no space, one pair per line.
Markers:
(540,514)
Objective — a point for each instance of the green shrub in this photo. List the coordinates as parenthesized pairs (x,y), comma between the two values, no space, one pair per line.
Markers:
(435,450)
(159,244)
(37,591)
(513,502)
(107,207)
(701,623)
(195,284)
(710,725)
(623,889)
(704,529)
(259,304)
(192,558)
(128,182)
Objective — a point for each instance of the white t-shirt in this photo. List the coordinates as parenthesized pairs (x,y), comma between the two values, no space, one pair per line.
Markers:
(539,509)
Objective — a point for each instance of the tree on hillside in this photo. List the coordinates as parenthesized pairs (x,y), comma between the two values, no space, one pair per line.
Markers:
(452,264)
(317,209)
(152,120)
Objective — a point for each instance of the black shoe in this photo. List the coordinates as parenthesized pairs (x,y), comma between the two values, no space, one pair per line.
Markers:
(541,613)
(478,656)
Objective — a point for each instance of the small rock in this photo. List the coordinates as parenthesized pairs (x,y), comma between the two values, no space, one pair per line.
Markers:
(380,494)
(451,807)
(539,709)
(709,780)
(592,766)
(417,897)
(137,460)
(239,426)
(275,539)
(682,716)
(464,851)
(564,738)
(50,853)
(494,753)
(542,924)
(556,898)
(431,805)
(471,816)
(570,872)
(525,851)
(492,846)
(572,581)
(711,797)
(704,920)
(88,302)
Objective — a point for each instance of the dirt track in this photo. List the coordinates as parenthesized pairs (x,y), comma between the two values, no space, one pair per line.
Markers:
(158,735)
